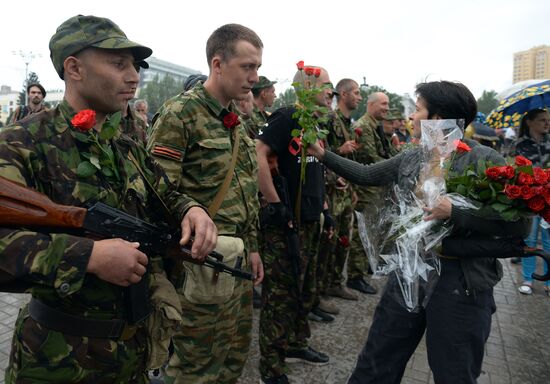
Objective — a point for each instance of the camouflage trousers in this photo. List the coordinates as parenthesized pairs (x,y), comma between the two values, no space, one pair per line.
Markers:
(213,344)
(39,355)
(333,252)
(286,299)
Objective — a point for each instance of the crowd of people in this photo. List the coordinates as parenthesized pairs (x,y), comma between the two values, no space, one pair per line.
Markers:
(224,172)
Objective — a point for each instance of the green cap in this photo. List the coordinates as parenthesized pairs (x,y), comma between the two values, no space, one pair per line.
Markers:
(81,32)
(394,114)
(264,82)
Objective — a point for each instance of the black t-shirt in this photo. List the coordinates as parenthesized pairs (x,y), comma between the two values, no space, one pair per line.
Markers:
(277,135)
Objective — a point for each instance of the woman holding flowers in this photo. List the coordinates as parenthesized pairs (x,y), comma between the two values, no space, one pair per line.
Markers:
(534,144)
(457,315)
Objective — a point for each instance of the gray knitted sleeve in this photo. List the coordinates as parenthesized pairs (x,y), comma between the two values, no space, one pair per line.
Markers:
(382,173)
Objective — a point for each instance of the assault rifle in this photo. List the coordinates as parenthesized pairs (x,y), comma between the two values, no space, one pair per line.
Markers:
(290,231)
(21,206)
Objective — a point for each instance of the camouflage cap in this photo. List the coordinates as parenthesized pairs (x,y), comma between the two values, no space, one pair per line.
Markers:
(264,82)
(81,32)
(192,80)
(394,114)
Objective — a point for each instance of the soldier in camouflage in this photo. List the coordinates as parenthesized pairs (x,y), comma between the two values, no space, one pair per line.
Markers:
(289,291)
(370,149)
(78,284)
(391,138)
(340,192)
(193,138)
(264,96)
(246,112)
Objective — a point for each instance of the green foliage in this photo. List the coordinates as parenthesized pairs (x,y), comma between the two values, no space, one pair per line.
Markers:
(487,102)
(395,100)
(285,99)
(101,157)
(33,78)
(157,91)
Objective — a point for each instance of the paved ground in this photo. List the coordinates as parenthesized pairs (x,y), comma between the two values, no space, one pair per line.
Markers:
(518,350)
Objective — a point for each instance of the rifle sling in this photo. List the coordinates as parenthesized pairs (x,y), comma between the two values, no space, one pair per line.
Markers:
(220,196)
(153,189)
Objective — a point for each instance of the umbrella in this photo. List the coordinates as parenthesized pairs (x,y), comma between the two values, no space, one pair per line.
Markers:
(512,108)
(484,132)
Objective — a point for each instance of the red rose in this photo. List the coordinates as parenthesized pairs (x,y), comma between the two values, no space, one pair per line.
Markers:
(358,132)
(462,147)
(507,171)
(546,214)
(84,120)
(546,194)
(231,120)
(538,190)
(525,179)
(527,192)
(300,65)
(540,176)
(317,72)
(536,204)
(512,191)
(344,241)
(523,161)
(309,71)
(493,173)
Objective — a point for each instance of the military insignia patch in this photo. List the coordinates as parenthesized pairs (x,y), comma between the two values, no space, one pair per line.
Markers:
(168,153)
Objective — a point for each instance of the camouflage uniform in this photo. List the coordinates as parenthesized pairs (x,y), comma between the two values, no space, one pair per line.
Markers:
(258,119)
(43,154)
(286,300)
(134,126)
(287,297)
(194,147)
(370,150)
(337,248)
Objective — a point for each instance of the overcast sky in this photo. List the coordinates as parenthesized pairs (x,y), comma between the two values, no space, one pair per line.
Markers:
(394,44)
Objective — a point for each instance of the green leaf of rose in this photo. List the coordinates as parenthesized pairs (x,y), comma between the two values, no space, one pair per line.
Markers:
(107,172)
(86,169)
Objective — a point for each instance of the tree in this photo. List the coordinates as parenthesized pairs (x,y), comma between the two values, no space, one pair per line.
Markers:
(32,79)
(395,100)
(157,91)
(487,102)
(288,97)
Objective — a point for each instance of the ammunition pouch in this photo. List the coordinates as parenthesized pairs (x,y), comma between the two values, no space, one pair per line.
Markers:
(208,286)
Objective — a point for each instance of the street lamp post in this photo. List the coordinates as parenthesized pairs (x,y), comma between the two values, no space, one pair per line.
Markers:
(364,86)
(27,58)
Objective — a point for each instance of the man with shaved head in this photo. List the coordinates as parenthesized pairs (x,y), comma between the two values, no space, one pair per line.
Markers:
(286,297)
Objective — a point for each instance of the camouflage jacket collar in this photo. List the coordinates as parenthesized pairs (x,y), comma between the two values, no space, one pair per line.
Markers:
(371,120)
(65,114)
(212,103)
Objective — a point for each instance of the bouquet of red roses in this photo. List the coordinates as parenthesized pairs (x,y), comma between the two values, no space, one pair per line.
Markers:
(514,190)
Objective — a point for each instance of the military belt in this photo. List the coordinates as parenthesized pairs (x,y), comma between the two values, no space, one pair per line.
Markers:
(63,322)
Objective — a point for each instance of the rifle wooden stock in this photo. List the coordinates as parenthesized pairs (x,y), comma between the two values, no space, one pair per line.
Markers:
(20,206)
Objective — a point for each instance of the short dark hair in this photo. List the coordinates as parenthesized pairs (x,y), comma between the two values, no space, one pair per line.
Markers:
(448,100)
(531,115)
(37,85)
(224,39)
(344,85)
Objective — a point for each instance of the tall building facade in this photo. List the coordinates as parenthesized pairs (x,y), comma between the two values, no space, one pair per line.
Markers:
(163,68)
(533,63)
